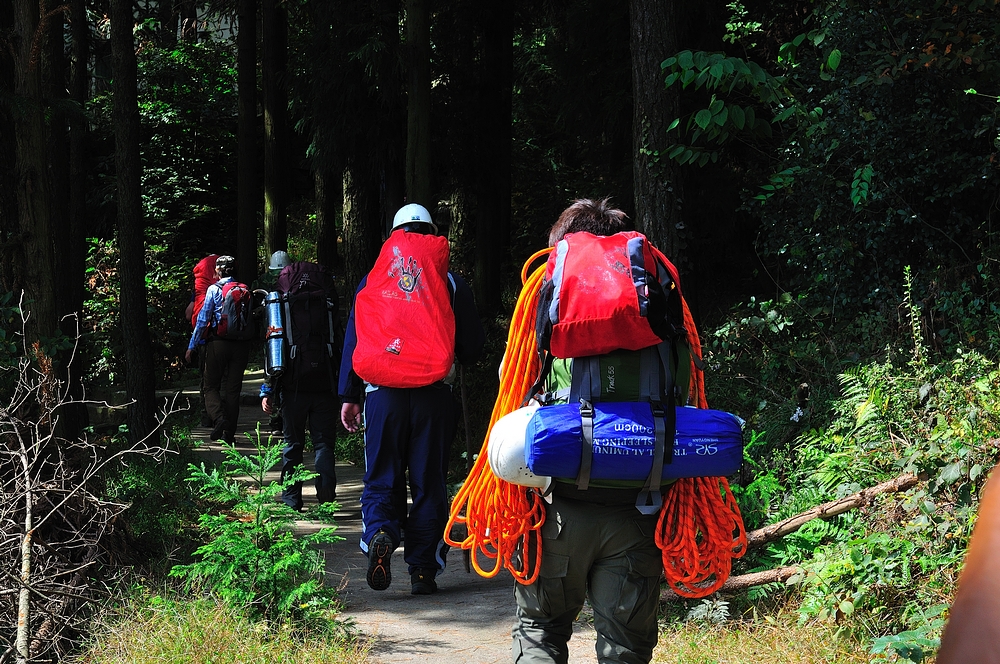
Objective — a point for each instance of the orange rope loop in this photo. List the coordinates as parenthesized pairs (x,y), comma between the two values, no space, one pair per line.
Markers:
(503,519)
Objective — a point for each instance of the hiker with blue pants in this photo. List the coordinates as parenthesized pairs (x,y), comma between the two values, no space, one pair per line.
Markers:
(407,430)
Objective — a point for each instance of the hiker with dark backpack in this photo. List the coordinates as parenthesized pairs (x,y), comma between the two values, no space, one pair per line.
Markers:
(609,321)
(224,326)
(412,320)
(302,372)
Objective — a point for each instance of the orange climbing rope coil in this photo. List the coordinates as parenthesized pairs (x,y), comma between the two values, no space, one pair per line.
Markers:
(699,530)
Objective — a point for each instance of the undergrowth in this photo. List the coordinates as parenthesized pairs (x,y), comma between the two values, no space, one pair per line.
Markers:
(161,628)
(883,574)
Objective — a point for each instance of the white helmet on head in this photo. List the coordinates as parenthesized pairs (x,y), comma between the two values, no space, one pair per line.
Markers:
(279,259)
(412,214)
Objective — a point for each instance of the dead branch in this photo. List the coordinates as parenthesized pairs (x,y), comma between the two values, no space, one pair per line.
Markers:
(778,530)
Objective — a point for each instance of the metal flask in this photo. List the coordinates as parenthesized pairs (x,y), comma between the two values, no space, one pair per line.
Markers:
(275,339)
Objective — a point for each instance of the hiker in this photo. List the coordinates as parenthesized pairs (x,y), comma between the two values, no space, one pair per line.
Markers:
(596,543)
(204,276)
(305,387)
(267,282)
(972,633)
(411,321)
(225,333)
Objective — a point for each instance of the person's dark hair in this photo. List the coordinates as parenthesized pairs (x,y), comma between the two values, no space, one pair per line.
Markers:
(225,265)
(586,215)
(416,227)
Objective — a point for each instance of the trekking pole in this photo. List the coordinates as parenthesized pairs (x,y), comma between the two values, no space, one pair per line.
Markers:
(465,416)
(466,554)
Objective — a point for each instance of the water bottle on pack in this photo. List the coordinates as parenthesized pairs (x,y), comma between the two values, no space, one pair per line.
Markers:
(275,340)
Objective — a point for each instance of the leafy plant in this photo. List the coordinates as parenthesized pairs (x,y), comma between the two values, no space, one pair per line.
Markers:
(252,559)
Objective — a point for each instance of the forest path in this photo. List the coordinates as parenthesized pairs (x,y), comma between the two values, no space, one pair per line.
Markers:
(468,621)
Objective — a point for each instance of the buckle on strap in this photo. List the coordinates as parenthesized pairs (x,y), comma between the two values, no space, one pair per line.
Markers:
(587,447)
(649,499)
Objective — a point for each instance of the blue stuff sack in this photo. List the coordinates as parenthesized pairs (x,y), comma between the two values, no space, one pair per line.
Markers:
(708,443)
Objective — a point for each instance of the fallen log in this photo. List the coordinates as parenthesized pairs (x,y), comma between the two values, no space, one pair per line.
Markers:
(833,508)
(778,530)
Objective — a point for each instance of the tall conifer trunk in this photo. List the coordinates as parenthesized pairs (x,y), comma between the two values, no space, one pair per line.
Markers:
(248,193)
(656,179)
(418,103)
(274,21)
(139,379)
(32,184)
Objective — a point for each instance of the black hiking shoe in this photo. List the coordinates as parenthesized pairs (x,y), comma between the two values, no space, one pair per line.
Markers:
(219,430)
(379,553)
(422,582)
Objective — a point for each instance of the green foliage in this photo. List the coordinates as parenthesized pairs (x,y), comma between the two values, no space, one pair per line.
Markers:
(881,573)
(252,559)
(161,503)
(188,115)
(167,291)
(879,156)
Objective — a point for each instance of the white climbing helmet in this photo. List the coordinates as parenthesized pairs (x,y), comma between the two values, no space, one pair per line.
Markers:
(279,259)
(413,214)
(506,449)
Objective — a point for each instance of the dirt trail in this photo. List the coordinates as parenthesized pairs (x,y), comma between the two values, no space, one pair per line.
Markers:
(468,621)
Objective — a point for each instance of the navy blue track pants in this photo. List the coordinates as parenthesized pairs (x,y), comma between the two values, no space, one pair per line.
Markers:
(408,431)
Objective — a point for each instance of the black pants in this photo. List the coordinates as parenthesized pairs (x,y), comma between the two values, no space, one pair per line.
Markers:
(225,362)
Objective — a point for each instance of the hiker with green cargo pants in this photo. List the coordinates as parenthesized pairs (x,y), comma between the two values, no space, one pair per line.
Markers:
(608,551)
(598,540)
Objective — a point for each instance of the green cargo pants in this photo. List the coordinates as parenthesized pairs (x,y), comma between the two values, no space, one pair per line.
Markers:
(606,553)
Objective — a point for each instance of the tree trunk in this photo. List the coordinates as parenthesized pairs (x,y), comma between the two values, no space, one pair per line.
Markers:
(362,235)
(168,18)
(326,217)
(68,175)
(248,194)
(139,379)
(418,103)
(493,190)
(33,188)
(9,222)
(656,178)
(274,20)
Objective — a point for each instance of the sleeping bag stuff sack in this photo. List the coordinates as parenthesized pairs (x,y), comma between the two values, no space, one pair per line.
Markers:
(403,315)
(708,443)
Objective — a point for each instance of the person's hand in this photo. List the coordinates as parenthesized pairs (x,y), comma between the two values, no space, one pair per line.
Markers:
(267,404)
(350,416)
(188,355)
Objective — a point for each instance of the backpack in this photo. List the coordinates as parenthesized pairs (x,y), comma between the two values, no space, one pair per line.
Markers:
(204,276)
(310,325)
(612,305)
(235,322)
(403,316)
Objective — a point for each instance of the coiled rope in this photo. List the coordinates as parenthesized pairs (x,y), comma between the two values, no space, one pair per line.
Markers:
(699,530)
(502,519)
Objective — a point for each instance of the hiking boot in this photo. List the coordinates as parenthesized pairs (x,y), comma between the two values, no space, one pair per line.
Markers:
(219,430)
(422,582)
(380,550)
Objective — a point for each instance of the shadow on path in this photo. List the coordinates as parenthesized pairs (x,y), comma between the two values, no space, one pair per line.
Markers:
(468,621)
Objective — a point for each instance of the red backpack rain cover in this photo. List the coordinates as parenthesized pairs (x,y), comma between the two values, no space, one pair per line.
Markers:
(604,294)
(204,276)
(403,316)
